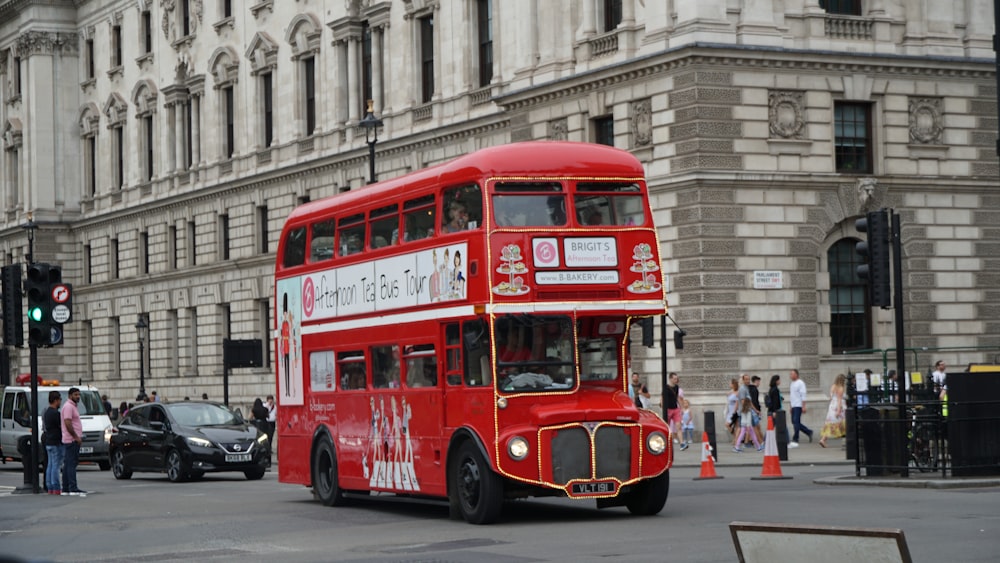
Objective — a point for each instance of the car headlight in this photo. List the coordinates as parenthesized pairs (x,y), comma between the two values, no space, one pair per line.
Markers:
(656,443)
(517,448)
(201,442)
(262,439)
(107,433)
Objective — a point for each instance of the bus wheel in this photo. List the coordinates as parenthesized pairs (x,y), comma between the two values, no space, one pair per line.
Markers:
(478,489)
(647,498)
(324,475)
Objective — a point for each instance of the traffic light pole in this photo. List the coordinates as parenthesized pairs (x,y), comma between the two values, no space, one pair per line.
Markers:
(34,419)
(897,273)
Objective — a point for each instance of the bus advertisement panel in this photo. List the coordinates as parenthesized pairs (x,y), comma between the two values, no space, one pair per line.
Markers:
(462,332)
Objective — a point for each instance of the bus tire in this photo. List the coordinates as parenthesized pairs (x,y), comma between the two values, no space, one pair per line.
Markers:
(649,497)
(478,490)
(326,487)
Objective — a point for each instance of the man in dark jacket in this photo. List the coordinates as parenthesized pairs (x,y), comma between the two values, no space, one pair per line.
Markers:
(52,428)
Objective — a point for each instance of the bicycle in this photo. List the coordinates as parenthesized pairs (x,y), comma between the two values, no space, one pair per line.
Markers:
(923,441)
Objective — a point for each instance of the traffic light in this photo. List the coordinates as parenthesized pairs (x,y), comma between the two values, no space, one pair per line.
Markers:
(38,285)
(679,339)
(13,324)
(875,251)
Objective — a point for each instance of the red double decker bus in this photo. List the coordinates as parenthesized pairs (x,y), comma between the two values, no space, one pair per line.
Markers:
(462,332)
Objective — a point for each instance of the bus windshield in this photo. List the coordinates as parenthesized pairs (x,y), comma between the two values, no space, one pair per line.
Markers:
(534,353)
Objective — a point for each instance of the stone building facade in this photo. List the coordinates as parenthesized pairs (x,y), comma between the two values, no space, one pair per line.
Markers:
(159,144)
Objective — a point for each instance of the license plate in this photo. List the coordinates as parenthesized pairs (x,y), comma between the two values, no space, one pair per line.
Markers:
(86,450)
(595,488)
(237,458)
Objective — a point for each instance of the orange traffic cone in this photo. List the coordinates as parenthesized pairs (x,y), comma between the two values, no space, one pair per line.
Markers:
(707,460)
(772,466)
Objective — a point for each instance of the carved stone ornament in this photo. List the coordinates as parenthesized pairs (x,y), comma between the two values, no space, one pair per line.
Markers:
(169,21)
(116,109)
(12,135)
(642,122)
(47,43)
(925,121)
(558,129)
(866,190)
(785,114)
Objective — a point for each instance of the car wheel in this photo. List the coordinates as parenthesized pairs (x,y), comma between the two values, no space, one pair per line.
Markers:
(478,490)
(118,467)
(254,474)
(326,487)
(176,471)
(647,498)
(104,465)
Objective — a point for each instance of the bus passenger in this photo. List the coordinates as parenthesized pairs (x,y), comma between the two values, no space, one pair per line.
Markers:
(595,218)
(458,217)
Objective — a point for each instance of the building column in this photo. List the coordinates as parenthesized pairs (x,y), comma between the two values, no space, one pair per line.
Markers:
(628,13)
(353,84)
(179,136)
(589,18)
(196,133)
(377,34)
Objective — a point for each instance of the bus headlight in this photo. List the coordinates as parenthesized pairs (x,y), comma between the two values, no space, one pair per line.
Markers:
(502,402)
(656,443)
(517,448)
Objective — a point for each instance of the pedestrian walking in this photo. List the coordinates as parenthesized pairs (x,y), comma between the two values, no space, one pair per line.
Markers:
(72,438)
(52,438)
(835,425)
(746,427)
(272,419)
(732,414)
(687,425)
(797,396)
(773,398)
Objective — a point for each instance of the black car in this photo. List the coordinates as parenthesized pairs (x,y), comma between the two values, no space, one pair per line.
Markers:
(186,440)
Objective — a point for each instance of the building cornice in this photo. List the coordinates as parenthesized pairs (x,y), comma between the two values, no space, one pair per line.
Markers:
(745,57)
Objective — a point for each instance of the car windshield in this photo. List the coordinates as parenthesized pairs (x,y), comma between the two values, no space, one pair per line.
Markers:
(203,414)
(90,401)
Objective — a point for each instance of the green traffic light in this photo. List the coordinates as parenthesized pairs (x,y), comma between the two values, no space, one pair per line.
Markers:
(35,314)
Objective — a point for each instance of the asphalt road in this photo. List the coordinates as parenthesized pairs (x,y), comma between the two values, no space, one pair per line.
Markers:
(226,518)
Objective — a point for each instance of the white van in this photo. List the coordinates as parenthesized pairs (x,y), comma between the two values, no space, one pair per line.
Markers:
(16,412)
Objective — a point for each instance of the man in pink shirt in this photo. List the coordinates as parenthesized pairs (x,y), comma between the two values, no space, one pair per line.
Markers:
(72,437)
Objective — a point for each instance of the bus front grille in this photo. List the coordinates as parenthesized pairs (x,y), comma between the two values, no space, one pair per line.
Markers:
(570,455)
(613,452)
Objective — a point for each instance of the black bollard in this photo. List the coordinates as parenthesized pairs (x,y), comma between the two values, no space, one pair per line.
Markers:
(24,449)
(781,434)
(710,430)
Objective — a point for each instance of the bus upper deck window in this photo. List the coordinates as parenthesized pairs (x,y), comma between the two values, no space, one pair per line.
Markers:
(321,244)
(418,218)
(351,234)
(462,209)
(529,204)
(609,203)
(384,226)
(295,248)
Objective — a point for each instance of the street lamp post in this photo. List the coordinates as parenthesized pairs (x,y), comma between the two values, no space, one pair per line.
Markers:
(30,226)
(141,327)
(371,125)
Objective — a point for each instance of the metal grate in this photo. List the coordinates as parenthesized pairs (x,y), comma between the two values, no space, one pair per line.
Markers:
(570,455)
(613,446)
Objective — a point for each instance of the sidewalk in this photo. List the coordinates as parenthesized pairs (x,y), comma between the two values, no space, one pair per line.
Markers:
(834,455)
(806,454)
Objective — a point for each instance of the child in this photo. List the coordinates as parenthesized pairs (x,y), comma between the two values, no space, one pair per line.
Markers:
(687,425)
(746,426)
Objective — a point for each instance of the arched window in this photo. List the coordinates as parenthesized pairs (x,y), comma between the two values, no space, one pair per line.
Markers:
(850,315)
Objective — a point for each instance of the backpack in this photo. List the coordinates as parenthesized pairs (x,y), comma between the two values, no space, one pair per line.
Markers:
(767,401)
